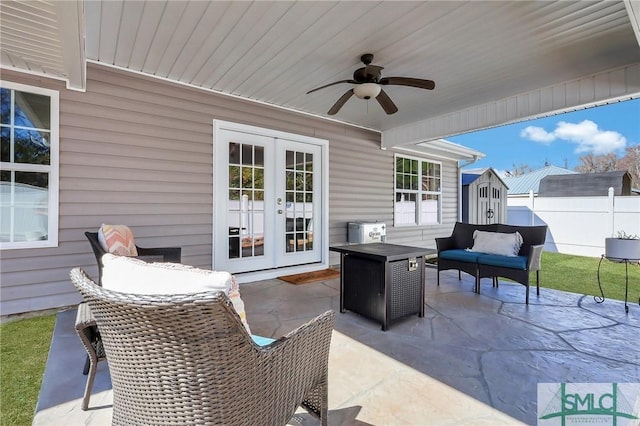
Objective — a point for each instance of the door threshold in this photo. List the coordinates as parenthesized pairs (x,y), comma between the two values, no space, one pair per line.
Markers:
(248,277)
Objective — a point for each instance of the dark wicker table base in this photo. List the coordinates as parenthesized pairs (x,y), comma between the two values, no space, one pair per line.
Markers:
(383,282)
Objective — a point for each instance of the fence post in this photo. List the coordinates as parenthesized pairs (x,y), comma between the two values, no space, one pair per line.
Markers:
(532,216)
(610,213)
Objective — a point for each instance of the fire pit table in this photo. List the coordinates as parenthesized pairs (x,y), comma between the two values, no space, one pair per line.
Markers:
(383,282)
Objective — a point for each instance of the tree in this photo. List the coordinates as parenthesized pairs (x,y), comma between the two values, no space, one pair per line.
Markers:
(610,162)
(518,170)
(631,163)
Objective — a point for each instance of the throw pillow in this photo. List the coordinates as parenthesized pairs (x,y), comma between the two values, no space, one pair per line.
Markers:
(117,239)
(505,244)
(130,275)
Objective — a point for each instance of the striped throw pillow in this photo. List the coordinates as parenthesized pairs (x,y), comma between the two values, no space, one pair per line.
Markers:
(117,239)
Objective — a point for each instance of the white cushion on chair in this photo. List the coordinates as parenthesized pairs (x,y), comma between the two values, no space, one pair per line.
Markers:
(130,275)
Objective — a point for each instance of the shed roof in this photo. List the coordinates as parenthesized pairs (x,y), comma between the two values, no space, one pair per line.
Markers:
(531,181)
(586,184)
(470,175)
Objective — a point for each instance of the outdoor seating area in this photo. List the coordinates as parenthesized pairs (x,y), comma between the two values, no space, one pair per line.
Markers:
(264,147)
(494,250)
(472,358)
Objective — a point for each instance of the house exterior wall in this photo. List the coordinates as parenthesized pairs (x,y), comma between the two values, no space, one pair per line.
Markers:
(138,151)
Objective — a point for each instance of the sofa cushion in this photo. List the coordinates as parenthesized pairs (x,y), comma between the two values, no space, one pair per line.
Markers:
(463,233)
(506,244)
(117,239)
(460,255)
(510,262)
(130,275)
(261,340)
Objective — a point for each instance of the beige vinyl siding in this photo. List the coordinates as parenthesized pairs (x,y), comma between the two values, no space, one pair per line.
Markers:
(138,151)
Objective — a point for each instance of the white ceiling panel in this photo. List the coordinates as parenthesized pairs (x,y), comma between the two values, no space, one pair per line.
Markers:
(44,37)
(479,53)
(29,37)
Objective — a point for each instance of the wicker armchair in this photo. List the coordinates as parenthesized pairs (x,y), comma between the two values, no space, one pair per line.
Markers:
(186,359)
(85,324)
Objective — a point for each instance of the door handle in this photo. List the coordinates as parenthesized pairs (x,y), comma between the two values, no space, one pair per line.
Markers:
(279,211)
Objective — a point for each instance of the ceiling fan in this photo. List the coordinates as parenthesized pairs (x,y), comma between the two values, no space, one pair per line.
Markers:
(369,82)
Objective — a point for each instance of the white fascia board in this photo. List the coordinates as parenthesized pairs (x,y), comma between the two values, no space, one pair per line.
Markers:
(633,10)
(443,149)
(70,16)
(594,90)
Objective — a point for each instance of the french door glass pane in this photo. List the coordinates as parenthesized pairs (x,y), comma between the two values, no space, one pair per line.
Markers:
(246,201)
(299,201)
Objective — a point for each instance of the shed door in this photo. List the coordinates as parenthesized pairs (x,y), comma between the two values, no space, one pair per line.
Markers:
(496,204)
(489,204)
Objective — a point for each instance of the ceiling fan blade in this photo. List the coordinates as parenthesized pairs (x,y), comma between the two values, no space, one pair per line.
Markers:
(331,84)
(386,103)
(406,81)
(343,100)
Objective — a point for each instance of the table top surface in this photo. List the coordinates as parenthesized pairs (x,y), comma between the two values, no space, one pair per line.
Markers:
(383,251)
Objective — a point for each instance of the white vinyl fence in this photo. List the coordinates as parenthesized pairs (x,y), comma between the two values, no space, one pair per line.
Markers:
(577,225)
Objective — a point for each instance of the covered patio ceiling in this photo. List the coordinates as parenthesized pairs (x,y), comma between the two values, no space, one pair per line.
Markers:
(492,62)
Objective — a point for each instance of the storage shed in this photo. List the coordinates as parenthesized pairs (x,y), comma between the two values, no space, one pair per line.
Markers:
(586,184)
(484,197)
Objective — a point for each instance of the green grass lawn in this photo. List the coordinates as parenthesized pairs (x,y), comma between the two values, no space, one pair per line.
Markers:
(24,344)
(579,274)
(24,347)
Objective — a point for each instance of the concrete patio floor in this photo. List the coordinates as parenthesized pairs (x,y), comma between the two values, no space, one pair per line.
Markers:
(473,359)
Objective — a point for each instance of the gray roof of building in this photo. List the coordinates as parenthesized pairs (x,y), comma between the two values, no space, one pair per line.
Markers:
(586,184)
(531,181)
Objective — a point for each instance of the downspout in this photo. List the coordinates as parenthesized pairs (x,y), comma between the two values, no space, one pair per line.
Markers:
(460,166)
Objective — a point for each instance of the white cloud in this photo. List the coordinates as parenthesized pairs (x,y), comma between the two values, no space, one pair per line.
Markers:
(588,137)
(537,134)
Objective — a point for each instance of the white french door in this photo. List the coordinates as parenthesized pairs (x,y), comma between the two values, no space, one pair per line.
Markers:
(268,203)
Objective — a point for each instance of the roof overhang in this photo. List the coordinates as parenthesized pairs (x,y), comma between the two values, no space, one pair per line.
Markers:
(444,150)
(594,90)
(46,39)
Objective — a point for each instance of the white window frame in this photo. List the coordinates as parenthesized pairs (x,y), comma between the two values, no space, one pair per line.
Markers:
(52,168)
(419,192)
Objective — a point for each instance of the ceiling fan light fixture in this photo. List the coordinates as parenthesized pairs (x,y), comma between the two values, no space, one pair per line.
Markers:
(367,90)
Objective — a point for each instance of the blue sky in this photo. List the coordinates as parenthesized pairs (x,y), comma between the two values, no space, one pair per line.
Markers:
(559,140)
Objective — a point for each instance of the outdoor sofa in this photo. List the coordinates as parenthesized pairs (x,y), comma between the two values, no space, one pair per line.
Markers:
(492,251)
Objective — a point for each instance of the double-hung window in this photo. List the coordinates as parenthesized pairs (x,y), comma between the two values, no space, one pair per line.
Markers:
(28,167)
(418,192)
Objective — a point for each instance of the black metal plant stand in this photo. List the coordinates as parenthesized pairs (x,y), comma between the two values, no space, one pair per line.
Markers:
(600,299)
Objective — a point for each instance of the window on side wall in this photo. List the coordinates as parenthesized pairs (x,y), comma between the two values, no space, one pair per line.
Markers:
(28,167)
(417,192)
